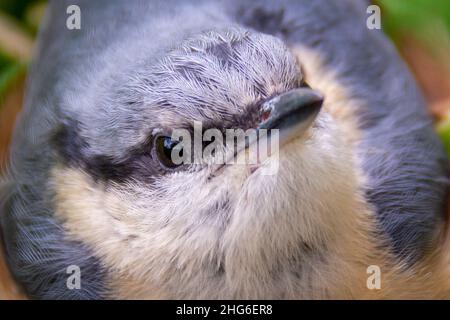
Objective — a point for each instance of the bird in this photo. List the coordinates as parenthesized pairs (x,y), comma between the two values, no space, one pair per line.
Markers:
(361,179)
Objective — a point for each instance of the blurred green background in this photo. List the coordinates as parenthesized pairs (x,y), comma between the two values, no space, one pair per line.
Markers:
(419,28)
(19,21)
(421,31)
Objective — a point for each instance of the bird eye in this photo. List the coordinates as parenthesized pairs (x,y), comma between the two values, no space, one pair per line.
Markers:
(163,148)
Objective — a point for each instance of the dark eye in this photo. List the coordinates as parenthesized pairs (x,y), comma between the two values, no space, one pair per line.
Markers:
(163,149)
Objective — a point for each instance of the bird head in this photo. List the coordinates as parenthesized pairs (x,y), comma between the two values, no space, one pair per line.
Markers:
(202,229)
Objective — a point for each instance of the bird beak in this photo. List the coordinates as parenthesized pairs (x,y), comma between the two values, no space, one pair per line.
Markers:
(292,113)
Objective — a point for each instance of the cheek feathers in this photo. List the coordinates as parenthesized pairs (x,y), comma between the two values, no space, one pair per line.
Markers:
(40,251)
